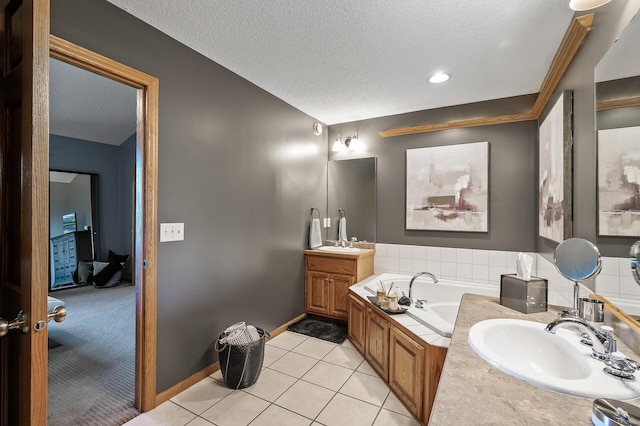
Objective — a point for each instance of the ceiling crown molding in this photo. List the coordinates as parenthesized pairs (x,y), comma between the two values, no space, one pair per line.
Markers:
(571,43)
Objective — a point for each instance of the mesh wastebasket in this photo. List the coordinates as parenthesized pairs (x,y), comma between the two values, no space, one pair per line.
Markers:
(241,350)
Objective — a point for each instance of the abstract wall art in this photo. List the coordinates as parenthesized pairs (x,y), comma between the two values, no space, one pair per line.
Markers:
(448,188)
(619,182)
(554,171)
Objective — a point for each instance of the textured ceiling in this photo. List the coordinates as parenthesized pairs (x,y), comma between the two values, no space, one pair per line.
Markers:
(346,60)
(84,105)
(61,177)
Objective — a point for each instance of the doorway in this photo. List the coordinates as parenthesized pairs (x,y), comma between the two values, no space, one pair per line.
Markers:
(143,267)
(24,237)
(92,136)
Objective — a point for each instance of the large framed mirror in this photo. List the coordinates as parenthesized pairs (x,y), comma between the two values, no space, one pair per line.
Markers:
(617,78)
(351,193)
(73,224)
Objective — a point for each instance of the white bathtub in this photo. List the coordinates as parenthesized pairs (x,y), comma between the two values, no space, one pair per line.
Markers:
(443,298)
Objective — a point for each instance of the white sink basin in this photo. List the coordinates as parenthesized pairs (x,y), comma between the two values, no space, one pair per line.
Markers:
(557,362)
(333,249)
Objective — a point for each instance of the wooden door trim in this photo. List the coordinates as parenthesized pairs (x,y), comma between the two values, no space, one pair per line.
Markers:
(146,197)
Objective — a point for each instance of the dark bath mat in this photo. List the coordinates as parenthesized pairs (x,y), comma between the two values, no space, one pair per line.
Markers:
(320,328)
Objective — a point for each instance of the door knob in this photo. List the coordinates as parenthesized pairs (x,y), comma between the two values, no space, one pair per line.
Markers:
(20,323)
(58,314)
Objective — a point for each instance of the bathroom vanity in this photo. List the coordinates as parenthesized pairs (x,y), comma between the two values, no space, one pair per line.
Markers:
(328,277)
(471,391)
(410,364)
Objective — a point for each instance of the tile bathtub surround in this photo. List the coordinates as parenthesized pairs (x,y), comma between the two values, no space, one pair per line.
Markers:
(560,289)
(469,265)
(486,266)
(615,279)
(304,381)
(614,282)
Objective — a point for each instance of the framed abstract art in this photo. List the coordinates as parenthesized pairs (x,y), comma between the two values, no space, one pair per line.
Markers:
(554,171)
(447,188)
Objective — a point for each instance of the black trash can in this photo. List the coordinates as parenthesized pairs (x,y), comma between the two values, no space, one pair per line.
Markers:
(241,364)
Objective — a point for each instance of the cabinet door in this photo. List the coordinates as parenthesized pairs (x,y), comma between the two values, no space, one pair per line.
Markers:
(377,343)
(338,291)
(406,361)
(317,298)
(356,323)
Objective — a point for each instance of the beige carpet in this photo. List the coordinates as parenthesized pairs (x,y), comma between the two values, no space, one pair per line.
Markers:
(91,372)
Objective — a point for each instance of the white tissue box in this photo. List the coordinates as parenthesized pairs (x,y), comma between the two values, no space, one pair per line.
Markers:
(526,296)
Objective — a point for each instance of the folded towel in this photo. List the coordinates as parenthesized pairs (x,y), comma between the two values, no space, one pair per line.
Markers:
(315,235)
(342,228)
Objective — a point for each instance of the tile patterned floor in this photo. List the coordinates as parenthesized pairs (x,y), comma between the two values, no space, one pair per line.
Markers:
(304,381)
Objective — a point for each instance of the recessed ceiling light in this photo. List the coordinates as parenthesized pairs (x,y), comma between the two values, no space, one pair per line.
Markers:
(440,77)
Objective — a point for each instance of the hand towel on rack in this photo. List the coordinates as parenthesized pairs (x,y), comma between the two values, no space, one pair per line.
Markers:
(315,235)
(342,229)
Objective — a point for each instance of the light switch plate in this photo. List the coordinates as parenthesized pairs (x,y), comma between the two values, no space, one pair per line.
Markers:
(171,232)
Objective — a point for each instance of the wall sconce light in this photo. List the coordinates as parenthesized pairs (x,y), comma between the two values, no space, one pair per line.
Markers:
(349,142)
(580,5)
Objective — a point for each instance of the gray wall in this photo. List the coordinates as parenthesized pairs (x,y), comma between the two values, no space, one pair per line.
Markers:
(512,175)
(126,190)
(113,165)
(609,23)
(238,166)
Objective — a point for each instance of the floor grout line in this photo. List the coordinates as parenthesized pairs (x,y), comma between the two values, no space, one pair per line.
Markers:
(353,372)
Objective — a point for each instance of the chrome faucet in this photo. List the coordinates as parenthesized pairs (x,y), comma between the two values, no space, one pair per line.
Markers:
(433,277)
(343,242)
(601,341)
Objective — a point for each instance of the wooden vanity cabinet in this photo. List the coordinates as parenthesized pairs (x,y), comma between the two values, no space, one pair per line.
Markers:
(317,299)
(357,323)
(406,375)
(338,292)
(410,366)
(328,278)
(377,343)
(327,294)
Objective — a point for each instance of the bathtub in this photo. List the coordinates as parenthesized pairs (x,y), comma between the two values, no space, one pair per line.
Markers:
(443,298)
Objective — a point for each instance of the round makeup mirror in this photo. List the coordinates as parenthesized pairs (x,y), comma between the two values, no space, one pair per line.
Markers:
(577,259)
(635,261)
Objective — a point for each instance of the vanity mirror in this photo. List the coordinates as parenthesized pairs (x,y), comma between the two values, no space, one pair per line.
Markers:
(617,78)
(635,261)
(351,192)
(618,125)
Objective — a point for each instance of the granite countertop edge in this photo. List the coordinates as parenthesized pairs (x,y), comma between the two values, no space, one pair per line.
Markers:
(471,391)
